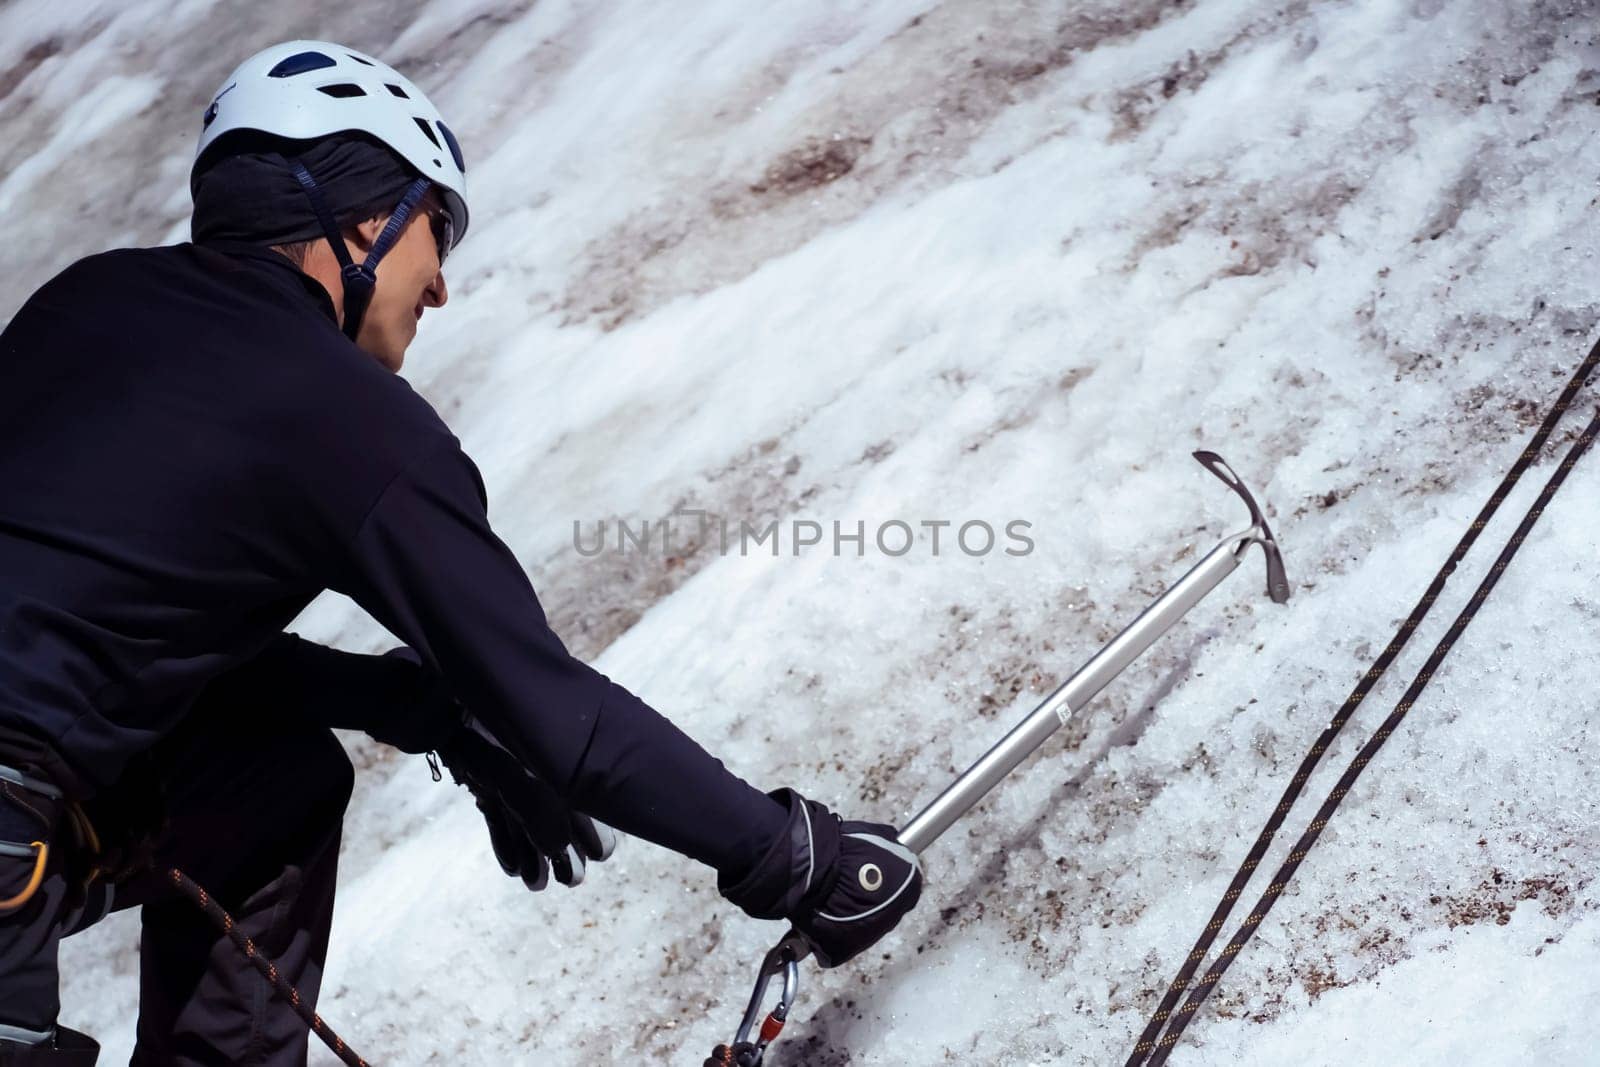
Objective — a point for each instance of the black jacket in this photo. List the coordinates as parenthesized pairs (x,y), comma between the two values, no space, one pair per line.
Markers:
(190,451)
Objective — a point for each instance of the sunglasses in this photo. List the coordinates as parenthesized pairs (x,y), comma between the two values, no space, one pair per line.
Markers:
(444,230)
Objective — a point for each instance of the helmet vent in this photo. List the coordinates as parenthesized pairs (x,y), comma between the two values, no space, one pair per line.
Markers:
(395,90)
(342,90)
(455,149)
(301,62)
(427,131)
(358,59)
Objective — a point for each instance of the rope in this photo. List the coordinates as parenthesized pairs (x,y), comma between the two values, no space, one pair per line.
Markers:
(1370,749)
(268,969)
(1149,1040)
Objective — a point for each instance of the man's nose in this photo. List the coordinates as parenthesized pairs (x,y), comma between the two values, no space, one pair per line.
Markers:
(437,292)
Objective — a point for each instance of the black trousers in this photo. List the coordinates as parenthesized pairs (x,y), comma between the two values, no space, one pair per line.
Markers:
(255,805)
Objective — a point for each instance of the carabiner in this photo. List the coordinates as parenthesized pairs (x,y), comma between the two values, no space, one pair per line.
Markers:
(785,957)
(41,855)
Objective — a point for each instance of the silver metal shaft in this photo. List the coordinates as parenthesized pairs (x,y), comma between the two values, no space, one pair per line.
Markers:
(1075,692)
(1050,716)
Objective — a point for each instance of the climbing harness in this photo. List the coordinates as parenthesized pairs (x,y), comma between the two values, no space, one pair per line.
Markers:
(1153,1047)
(52,799)
(749,1045)
(13,783)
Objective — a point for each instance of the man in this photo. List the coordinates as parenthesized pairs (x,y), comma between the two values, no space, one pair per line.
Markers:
(197,440)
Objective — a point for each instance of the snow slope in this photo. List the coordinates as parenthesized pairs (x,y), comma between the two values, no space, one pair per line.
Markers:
(970,261)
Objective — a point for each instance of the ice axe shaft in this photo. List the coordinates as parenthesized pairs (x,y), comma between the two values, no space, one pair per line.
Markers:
(1044,720)
(1059,707)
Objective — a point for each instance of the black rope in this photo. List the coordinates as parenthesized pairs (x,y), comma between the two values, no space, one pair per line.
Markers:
(268,969)
(1347,780)
(1150,1040)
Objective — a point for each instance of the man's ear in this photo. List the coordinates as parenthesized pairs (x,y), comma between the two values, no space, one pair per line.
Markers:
(363,235)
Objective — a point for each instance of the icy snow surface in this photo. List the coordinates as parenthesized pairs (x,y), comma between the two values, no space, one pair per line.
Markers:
(969,261)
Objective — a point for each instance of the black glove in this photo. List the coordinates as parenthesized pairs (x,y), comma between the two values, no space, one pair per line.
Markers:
(532,828)
(842,884)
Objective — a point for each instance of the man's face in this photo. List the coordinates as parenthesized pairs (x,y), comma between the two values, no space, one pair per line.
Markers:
(410,279)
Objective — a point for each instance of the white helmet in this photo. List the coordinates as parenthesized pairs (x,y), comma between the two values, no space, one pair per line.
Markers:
(303,90)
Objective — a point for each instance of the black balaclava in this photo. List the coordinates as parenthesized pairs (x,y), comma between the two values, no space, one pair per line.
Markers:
(269,191)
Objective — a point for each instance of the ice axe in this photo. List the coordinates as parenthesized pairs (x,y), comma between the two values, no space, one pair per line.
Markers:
(1044,720)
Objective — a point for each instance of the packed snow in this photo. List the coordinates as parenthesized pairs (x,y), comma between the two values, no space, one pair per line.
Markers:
(980,262)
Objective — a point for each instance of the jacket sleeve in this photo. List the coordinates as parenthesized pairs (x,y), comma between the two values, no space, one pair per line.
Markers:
(391,697)
(426,564)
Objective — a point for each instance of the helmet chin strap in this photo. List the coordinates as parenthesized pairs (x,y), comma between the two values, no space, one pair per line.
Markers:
(360,279)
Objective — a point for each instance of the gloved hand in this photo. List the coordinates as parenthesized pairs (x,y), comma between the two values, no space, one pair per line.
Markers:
(842,884)
(532,828)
